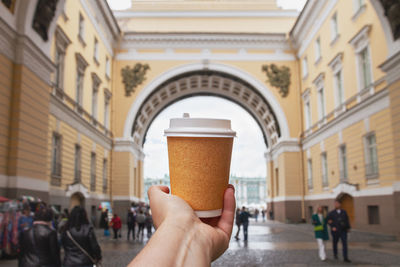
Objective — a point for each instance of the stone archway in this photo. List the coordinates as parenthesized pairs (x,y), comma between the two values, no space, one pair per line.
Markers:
(207,79)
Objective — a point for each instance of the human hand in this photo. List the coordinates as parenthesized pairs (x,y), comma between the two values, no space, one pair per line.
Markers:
(212,234)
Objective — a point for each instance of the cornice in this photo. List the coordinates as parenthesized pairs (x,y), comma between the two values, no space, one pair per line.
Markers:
(128,145)
(202,40)
(7,40)
(206,14)
(392,68)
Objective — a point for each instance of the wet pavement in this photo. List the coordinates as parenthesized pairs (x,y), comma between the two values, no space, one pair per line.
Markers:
(272,244)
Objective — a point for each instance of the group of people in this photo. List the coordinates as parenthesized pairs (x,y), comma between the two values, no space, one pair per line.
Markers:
(138,217)
(339,223)
(242,219)
(40,239)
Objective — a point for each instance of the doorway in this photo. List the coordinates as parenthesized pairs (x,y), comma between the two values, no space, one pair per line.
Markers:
(348,206)
(77,199)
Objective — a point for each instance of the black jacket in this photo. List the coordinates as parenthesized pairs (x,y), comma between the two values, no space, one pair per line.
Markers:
(39,247)
(338,220)
(86,238)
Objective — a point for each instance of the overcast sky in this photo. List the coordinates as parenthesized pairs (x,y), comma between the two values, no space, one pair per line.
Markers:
(286,4)
(248,149)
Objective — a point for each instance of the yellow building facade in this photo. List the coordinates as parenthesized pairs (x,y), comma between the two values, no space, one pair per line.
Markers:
(81,84)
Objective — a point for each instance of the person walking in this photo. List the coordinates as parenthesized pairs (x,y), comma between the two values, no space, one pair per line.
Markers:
(26,220)
(321,231)
(116,226)
(256,212)
(238,223)
(79,241)
(149,224)
(141,219)
(131,223)
(104,222)
(338,220)
(38,245)
(263,214)
(244,219)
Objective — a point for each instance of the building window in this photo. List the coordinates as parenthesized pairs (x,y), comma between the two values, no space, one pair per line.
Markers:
(343,163)
(77,164)
(80,71)
(324,168)
(56,160)
(365,68)
(318,50)
(305,67)
(81,33)
(95,95)
(339,88)
(93,171)
(61,43)
(334,28)
(309,174)
(373,215)
(105,176)
(107,99)
(108,67)
(371,157)
(307,108)
(359,5)
(96,51)
(321,103)
(277,181)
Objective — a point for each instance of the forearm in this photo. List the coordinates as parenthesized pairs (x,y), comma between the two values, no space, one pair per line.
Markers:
(174,245)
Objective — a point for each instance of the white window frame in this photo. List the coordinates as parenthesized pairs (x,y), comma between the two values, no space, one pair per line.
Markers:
(334,28)
(108,68)
(105,175)
(367,156)
(81,29)
(81,65)
(95,90)
(317,47)
(310,175)
(358,8)
(61,44)
(56,155)
(324,170)
(321,98)
(343,166)
(96,50)
(107,103)
(337,67)
(93,164)
(360,42)
(307,109)
(305,67)
(78,163)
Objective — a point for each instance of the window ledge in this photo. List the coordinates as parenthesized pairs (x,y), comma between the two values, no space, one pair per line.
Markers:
(334,41)
(325,188)
(305,76)
(372,179)
(359,11)
(80,38)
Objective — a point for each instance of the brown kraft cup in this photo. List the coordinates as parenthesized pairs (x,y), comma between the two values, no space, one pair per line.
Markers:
(199,153)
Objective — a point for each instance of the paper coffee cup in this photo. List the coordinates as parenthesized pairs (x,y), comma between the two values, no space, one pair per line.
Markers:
(199,153)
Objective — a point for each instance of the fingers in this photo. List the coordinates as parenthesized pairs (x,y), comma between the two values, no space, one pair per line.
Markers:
(157,190)
(228,213)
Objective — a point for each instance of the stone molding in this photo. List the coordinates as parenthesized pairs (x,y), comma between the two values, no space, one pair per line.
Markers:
(392,68)
(128,145)
(24,183)
(77,188)
(282,146)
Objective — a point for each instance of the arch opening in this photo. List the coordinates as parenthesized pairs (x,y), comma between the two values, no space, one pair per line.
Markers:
(77,199)
(347,203)
(207,83)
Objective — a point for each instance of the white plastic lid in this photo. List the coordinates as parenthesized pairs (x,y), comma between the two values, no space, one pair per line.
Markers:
(199,127)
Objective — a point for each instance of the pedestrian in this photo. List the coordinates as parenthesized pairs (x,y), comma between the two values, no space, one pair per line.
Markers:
(39,244)
(181,237)
(244,219)
(321,231)
(271,214)
(256,212)
(149,224)
(238,223)
(26,220)
(131,223)
(263,214)
(79,241)
(340,226)
(104,222)
(141,219)
(116,226)
(63,222)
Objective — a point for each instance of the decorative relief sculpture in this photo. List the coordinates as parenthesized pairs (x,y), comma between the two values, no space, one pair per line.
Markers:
(392,12)
(44,14)
(133,77)
(278,77)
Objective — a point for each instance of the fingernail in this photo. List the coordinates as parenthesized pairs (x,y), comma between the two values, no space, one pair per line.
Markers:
(231,186)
